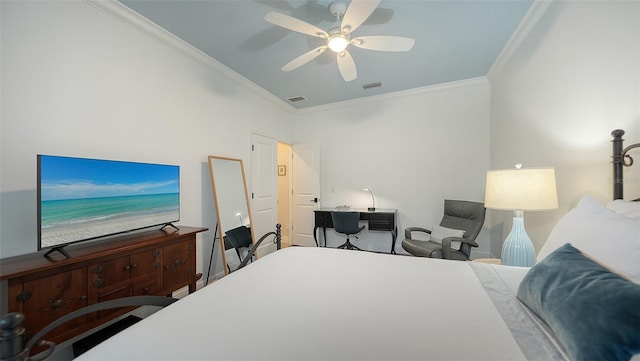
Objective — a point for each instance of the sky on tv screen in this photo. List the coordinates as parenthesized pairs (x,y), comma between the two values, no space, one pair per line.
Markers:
(73,178)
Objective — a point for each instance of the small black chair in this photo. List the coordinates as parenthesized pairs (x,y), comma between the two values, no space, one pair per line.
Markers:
(347,223)
(239,238)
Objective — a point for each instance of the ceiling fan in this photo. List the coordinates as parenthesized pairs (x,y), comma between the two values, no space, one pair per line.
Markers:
(338,37)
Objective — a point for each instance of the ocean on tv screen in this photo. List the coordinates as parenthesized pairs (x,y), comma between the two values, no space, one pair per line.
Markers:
(83,198)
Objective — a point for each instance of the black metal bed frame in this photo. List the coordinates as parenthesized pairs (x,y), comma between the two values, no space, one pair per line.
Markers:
(12,332)
(620,159)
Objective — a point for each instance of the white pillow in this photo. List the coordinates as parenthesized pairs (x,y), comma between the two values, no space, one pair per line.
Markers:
(606,236)
(438,233)
(628,209)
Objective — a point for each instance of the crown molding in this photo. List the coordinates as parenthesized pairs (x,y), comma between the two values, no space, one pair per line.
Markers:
(530,19)
(138,22)
(399,94)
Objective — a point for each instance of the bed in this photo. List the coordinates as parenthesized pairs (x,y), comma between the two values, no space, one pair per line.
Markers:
(580,301)
(336,305)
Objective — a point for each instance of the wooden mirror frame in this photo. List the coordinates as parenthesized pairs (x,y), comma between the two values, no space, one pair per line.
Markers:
(221,183)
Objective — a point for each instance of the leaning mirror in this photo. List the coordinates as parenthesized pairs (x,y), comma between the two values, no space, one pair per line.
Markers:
(232,209)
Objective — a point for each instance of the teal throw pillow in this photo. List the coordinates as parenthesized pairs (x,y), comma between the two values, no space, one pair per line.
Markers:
(594,313)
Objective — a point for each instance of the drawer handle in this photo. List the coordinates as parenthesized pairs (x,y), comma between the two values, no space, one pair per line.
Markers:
(57,304)
(130,266)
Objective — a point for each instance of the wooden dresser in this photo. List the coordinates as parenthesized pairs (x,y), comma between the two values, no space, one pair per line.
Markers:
(155,262)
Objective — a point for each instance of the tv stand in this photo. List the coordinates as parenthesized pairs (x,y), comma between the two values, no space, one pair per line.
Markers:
(169,225)
(59,249)
(149,263)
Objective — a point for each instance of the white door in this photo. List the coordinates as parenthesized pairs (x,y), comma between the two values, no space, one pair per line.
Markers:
(264,189)
(306,191)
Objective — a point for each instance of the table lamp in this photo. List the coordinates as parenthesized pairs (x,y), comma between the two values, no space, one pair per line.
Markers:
(373,200)
(519,190)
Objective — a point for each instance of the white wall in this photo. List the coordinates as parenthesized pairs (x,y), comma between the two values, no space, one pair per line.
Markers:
(413,150)
(79,82)
(573,80)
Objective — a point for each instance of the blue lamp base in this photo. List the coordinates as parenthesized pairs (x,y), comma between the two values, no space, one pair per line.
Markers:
(517,249)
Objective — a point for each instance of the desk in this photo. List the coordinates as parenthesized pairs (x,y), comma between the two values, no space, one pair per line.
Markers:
(382,219)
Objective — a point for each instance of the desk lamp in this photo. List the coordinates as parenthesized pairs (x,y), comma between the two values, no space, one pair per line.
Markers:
(519,190)
(373,200)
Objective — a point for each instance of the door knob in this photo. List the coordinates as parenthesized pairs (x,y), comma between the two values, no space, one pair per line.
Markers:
(314,200)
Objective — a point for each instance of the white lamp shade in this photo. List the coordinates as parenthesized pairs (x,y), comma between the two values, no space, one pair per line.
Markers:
(525,189)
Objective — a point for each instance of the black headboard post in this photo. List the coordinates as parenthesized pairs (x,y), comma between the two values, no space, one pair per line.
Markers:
(620,159)
(617,163)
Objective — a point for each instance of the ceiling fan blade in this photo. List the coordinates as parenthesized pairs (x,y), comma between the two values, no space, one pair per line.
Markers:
(304,58)
(291,23)
(383,43)
(357,13)
(347,66)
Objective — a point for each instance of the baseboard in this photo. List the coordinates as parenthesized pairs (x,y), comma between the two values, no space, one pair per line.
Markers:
(481,254)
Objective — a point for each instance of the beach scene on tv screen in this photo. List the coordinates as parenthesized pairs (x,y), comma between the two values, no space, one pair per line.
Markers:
(87,198)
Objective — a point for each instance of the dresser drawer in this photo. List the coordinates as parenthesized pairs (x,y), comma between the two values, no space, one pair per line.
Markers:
(323,219)
(380,222)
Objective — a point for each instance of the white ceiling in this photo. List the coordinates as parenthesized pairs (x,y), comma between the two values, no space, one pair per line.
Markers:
(455,40)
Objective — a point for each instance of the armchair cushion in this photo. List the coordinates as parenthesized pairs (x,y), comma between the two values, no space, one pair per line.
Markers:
(438,233)
(422,248)
(430,249)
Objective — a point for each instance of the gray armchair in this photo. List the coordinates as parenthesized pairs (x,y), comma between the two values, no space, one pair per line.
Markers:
(460,215)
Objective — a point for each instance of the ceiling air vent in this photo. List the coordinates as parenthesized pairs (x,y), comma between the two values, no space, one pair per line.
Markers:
(296,99)
(372,85)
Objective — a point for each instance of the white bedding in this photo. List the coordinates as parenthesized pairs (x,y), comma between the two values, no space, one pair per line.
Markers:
(326,304)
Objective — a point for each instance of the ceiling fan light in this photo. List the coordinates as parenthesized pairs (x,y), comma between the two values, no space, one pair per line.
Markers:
(338,43)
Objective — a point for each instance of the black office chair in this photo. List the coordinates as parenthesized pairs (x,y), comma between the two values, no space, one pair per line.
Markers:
(347,223)
(460,215)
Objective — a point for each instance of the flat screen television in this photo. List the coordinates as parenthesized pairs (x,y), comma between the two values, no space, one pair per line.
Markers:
(82,199)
